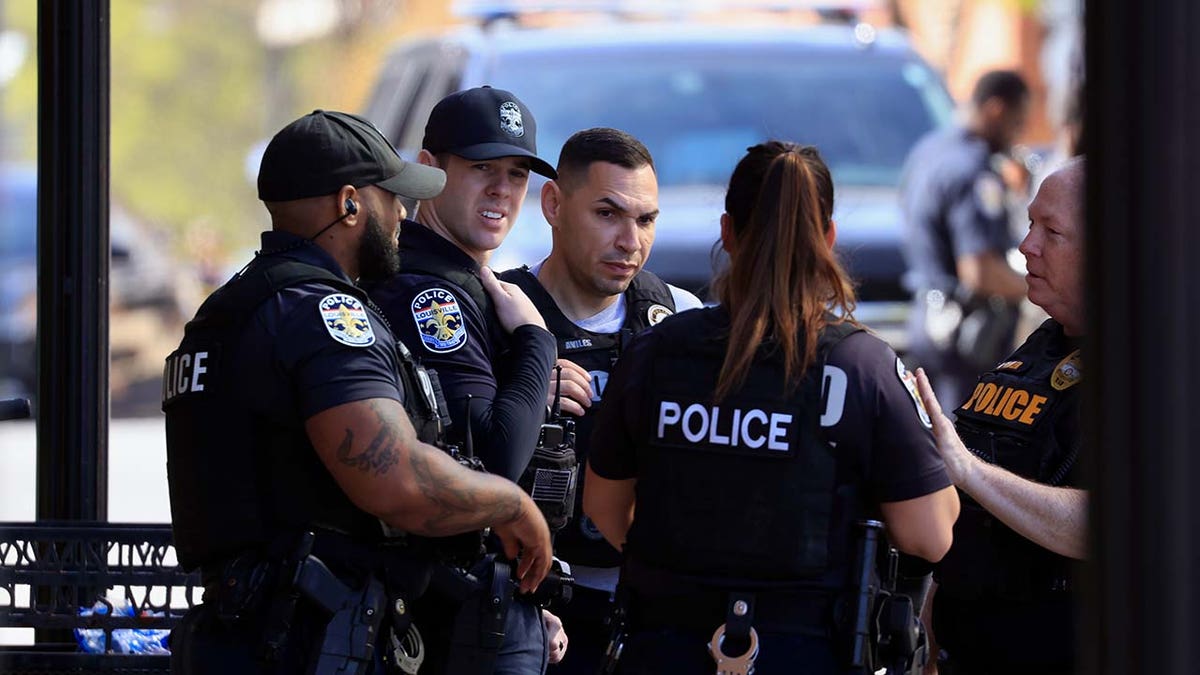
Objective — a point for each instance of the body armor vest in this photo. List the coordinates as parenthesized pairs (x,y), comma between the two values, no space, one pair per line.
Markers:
(745,490)
(1022,416)
(648,300)
(238,479)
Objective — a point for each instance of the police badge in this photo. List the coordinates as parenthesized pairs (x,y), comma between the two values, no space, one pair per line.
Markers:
(346,320)
(439,320)
(510,119)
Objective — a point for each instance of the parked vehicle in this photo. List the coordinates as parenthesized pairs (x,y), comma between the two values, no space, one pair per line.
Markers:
(698,95)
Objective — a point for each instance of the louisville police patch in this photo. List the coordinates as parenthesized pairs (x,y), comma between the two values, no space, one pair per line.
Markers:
(439,320)
(346,320)
(910,383)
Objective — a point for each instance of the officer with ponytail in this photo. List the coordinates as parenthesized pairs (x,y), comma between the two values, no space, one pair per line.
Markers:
(737,448)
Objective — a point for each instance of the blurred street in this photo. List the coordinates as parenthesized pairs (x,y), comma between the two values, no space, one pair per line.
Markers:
(137,471)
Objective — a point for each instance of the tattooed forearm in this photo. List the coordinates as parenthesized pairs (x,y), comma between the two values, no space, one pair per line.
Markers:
(464,499)
(378,457)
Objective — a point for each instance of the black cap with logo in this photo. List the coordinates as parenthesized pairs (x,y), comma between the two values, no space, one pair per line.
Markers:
(319,153)
(484,123)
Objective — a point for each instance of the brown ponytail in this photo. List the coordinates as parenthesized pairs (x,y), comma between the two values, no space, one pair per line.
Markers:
(782,277)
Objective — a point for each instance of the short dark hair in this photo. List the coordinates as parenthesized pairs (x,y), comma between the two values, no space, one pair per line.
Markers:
(600,144)
(1006,85)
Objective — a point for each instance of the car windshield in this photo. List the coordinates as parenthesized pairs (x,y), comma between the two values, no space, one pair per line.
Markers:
(18,223)
(697,113)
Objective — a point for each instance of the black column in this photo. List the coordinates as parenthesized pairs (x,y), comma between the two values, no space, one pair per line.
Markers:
(73,249)
(1143,115)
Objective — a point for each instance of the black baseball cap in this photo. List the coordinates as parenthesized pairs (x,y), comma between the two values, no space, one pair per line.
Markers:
(319,153)
(484,123)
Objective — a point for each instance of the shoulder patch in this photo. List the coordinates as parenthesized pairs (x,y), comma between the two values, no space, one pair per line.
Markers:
(910,383)
(990,193)
(657,313)
(346,320)
(1068,373)
(439,320)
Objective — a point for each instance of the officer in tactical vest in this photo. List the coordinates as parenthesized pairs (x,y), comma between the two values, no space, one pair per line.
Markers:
(493,365)
(298,429)
(595,297)
(737,446)
(1024,512)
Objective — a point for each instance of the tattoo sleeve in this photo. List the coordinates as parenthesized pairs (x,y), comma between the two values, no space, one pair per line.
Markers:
(456,499)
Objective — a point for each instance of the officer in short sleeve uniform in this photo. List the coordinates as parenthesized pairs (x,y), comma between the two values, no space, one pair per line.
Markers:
(954,204)
(288,337)
(761,491)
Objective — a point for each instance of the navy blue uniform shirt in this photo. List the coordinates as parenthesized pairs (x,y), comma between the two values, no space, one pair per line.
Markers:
(449,333)
(954,205)
(294,358)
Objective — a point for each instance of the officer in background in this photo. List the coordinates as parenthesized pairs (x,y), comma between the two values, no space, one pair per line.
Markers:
(595,297)
(286,415)
(493,365)
(737,446)
(957,236)
(1003,601)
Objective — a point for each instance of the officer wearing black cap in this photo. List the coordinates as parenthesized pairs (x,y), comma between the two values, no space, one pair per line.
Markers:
(290,412)
(957,225)
(493,358)
(736,447)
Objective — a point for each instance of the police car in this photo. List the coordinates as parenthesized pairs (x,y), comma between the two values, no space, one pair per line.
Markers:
(697,93)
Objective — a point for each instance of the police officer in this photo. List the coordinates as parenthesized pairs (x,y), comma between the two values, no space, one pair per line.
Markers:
(288,441)
(595,297)
(493,366)
(1003,603)
(737,446)
(957,235)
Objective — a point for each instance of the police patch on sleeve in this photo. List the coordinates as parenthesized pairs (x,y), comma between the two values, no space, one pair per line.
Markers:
(990,193)
(346,320)
(657,313)
(439,320)
(910,383)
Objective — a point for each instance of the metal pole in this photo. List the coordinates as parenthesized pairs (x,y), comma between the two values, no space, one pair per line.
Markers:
(73,255)
(1143,601)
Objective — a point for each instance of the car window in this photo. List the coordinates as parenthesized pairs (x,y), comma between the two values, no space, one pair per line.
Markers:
(697,112)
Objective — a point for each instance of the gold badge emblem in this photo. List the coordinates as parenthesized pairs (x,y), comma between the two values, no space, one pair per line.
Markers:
(1068,373)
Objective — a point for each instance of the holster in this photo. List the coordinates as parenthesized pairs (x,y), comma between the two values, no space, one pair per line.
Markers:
(478,629)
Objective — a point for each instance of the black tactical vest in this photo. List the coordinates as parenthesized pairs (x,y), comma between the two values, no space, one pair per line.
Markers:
(648,300)
(1024,417)
(745,489)
(239,480)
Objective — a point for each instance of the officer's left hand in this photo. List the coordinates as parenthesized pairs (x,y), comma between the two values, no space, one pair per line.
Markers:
(513,307)
(526,539)
(556,637)
(959,461)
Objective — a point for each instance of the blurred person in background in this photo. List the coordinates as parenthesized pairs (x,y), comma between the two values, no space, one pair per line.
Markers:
(1015,458)
(737,446)
(954,200)
(595,296)
(493,365)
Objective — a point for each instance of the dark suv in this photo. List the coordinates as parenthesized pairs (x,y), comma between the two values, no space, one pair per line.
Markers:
(698,95)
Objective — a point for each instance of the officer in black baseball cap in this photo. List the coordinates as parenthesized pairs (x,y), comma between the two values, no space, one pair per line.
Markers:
(484,337)
(291,414)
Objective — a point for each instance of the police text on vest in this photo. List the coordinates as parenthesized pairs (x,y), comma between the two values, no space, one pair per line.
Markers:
(731,427)
(183,374)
